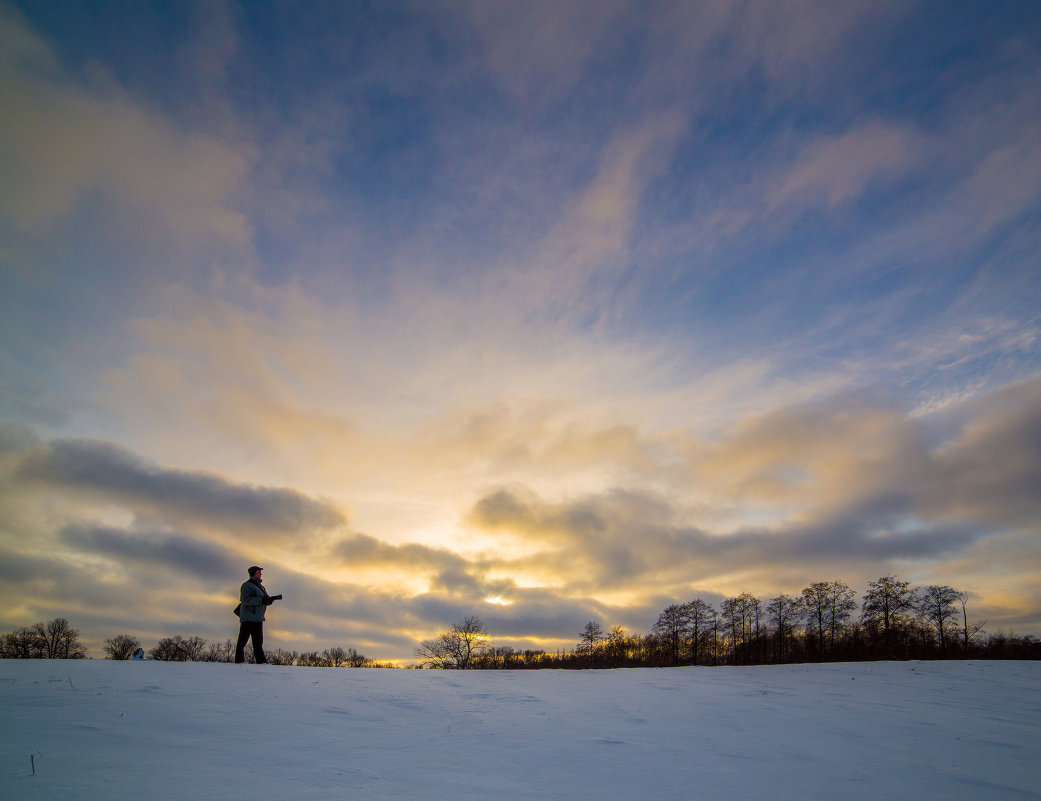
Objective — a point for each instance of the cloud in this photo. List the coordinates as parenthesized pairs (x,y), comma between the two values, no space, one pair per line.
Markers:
(816,455)
(832,169)
(538,51)
(64,141)
(192,558)
(536,618)
(632,541)
(799,42)
(990,472)
(18,567)
(363,550)
(44,582)
(438,568)
(250,379)
(796,175)
(600,223)
(210,53)
(563,274)
(706,53)
(1005,184)
(16,439)
(843,484)
(110,474)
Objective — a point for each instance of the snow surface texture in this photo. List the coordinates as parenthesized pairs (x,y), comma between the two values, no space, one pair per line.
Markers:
(152,730)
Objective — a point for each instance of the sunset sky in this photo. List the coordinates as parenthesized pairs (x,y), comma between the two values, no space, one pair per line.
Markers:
(547,312)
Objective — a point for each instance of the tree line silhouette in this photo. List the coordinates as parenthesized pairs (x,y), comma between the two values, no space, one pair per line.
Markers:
(55,639)
(58,639)
(896,621)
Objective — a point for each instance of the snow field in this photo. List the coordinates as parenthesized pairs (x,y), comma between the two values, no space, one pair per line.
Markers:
(104,730)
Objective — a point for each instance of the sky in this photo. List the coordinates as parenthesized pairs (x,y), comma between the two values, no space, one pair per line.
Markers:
(544,312)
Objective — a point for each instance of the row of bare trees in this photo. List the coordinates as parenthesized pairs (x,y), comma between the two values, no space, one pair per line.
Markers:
(896,621)
(55,639)
(196,649)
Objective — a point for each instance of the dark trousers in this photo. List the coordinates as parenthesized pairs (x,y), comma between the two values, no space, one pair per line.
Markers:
(255,630)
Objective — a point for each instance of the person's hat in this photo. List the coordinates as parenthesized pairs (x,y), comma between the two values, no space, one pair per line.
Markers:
(254,569)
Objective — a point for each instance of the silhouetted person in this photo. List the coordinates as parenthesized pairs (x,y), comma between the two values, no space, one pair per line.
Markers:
(253,600)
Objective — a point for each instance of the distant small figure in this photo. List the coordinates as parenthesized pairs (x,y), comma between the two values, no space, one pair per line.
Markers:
(253,601)
(139,654)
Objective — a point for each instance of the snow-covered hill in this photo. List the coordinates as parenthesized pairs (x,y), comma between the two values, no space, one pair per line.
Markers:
(104,731)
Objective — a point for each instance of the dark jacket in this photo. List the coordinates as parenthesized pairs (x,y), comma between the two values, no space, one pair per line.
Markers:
(254,599)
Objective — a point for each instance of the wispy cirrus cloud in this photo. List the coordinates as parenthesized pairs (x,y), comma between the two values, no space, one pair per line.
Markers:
(832,169)
(67,140)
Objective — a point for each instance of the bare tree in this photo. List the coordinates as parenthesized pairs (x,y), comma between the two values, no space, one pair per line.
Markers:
(457,647)
(355,659)
(671,627)
(22,644)
(968,632)
(743,616)
(753,608)
(194,649)
(467,640)
(714,624)
(180,649)
(590,638)
(785,613)
(591,635)
(340,657)
(336,657)
(434,653)
(311,659)
(936,608)
(885,603)
(732,617)
(828,605)
(59,640)
(699,619)
(122,646)
(620,648)
(841,604)
(497,658)
(279,657)
(220,652)
(815,601)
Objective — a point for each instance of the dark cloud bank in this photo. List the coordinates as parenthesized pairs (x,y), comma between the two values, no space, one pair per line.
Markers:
(104,470)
